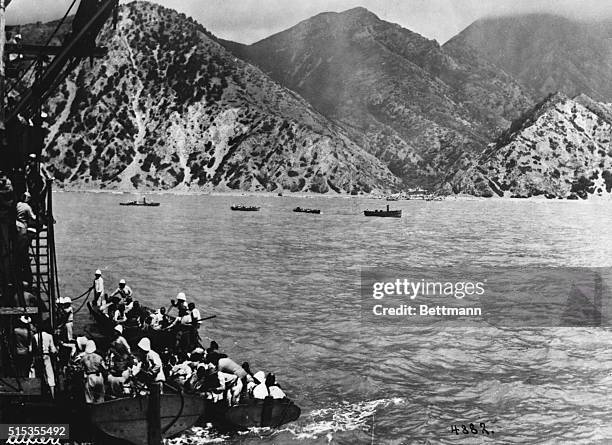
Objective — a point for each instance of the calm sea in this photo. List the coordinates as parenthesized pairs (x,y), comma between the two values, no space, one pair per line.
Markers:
(285,289)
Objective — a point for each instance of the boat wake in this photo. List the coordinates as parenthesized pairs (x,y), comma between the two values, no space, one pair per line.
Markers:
(314,425)
(342,417)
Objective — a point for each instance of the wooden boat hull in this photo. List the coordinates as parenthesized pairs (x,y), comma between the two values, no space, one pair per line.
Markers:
(252,413)
(313,211)
(126,419)
(384,213)
(105,324)
(245,209)
(159,339)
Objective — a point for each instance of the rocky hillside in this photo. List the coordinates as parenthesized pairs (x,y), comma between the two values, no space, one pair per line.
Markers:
(399,95)
(546,53)
(560,149)
(170,108)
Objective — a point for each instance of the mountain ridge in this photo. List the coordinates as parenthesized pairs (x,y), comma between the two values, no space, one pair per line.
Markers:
(559,149)
(170,108)
(420,110)
(546,52)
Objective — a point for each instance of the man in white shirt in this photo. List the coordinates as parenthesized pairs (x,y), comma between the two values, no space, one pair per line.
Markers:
(24,221)
(98,288)
(123,290)
(156,319)
(48,350)
(152,363)
(195,315)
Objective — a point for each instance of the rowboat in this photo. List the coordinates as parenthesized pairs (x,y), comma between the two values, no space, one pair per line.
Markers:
(133,334)
(242,208)
(384,213)
(301,210)
(142,203)
(126,419)
(249,413)
(270,413)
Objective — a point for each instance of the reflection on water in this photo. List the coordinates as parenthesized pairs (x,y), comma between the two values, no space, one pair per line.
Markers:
(285,289)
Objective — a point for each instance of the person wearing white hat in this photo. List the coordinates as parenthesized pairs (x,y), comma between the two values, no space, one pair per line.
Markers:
(181,301)
(23,346)
(81,342)
(120,359)
(123,290)
(119,345)
(94,369)
(152,365)
(98,288)
(67,317)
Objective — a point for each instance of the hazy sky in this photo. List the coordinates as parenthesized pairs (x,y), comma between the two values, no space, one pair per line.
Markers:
(247,21)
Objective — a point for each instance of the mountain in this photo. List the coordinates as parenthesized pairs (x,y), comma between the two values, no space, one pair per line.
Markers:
(560,149)
(170,108)
(546,53)
(423,110)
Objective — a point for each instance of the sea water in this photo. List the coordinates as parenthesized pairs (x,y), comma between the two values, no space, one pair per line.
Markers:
(285,288)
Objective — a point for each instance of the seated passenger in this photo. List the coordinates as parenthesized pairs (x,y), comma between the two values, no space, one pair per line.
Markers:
(181,373)
(197,355)
(269,388)
(156,319)
(123,291)
(119,316)
(119,345)
(247,369)
(258,378)
(202,380)
(129,303)
(165,320)
(121,360)
(152,366)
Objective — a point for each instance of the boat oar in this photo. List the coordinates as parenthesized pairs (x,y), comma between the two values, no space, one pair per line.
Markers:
(199,320)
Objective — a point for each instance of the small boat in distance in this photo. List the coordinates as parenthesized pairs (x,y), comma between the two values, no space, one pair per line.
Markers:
(142,202)
(242,208)
(384,213)
(301,210)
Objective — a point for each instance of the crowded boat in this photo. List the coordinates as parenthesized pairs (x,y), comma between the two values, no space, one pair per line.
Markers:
(160,348)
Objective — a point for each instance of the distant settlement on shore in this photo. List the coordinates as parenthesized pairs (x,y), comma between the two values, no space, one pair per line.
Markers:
(425,310)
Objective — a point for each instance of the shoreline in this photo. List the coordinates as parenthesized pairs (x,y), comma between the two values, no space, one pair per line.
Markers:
(311,195)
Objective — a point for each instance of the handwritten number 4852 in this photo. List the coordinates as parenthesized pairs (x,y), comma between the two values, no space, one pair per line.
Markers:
(470,429)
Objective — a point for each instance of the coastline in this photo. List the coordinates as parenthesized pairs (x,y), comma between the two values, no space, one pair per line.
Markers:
(310,195)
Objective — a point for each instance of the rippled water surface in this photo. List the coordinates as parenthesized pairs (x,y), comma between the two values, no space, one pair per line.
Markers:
(285,289)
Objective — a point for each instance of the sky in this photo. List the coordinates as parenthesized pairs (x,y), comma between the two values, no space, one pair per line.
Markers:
(247,21)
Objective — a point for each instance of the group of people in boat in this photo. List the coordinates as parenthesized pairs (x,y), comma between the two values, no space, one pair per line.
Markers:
(125,372)
(126,368)
(121,308)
